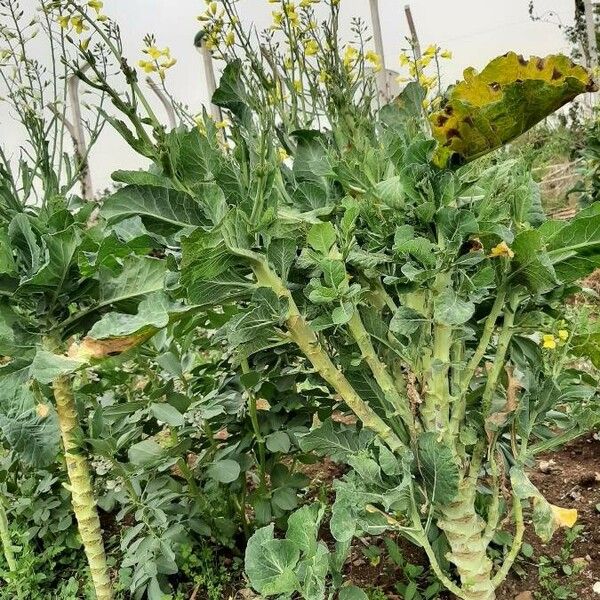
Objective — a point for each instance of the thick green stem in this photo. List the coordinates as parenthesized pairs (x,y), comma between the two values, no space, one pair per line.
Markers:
(306,339)
(435,411)
(463,528)
(6,541)
(80,486)
(380,372)
(499,362)
(458,412)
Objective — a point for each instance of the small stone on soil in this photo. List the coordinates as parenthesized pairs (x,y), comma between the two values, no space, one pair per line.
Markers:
(524,596)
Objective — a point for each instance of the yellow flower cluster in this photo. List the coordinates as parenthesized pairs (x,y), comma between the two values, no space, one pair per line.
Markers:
(416,66)
(77,22)
(374,59)
(550,341)
(155,64)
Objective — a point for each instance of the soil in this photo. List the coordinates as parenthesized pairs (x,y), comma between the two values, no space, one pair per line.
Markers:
(569,478)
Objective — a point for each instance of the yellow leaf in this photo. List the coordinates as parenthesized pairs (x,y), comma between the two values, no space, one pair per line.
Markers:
(510,95)
(564,517)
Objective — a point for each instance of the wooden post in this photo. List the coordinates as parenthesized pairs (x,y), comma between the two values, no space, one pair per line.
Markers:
(211,84)
(75,128)
(590,26)
(413,31)
(378,39)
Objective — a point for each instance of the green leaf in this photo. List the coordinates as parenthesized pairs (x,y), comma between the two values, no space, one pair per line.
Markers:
(278,441)
(231,93)
(352,593)
(574,250)
(142,178)
(336,440)
(46,366)
(531,264)
(303,527)
(510,95)
(33,435)
(167,414)
(312,573)
(224,471)
(271,564)
(144,452)
(321,237)
(281,253)
(140,276)
(406,321)
(450,309)
(438,469)
(154,205)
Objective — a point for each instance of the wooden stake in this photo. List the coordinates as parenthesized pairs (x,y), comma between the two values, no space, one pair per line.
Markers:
(413,31)
(378,39)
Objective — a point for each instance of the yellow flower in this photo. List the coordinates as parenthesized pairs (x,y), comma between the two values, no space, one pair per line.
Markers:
(311,47)
(430,50)
(78,24)
(446,54)
(282,154)
(374,59)
(230,38)
(428,83)
(221,124)
(563,334)
(147,65)
(167,64)
(63,21)
(199,121)
(501,249)
(350,54)
(404,59)
(102,18)
(155,53)
(212,8)
(298,86)
(84,44)
(96,5)
(277,18)
(424,60)
(323,76)
(549,341)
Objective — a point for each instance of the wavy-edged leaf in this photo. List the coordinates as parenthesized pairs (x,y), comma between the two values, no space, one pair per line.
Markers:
(508,97)
(154,205)
(336,440)
(438,469)
(271,563)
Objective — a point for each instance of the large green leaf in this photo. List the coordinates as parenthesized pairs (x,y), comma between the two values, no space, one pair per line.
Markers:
(153,204)
(59,253)
(46,366)
(438,468)
(336,441)
(271,563)
(509,96)
(31,433)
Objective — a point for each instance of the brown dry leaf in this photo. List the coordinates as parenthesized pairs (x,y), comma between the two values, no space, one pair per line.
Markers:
(91,348)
